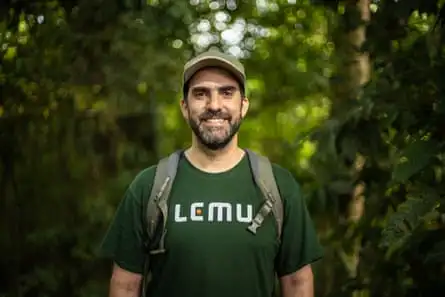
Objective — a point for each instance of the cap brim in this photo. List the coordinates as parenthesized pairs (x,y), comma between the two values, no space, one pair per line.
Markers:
(213,62)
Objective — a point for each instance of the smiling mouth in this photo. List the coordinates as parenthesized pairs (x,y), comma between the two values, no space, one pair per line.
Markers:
(214,122)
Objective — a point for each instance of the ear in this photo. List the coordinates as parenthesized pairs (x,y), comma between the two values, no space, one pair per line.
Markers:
(244,106)
(184,108)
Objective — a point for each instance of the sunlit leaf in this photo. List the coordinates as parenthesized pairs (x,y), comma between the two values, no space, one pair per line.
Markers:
(414,158)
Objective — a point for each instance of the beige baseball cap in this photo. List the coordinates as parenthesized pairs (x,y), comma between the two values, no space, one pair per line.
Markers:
(214,58)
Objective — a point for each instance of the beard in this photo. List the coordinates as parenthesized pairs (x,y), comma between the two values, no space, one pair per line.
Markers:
(218,137)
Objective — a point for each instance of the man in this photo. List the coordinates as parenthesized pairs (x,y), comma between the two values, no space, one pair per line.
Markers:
(209,254)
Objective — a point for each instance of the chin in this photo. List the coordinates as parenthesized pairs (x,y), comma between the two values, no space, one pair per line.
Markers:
(217,144)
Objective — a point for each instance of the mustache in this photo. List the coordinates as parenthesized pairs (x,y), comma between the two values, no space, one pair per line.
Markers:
(214,115)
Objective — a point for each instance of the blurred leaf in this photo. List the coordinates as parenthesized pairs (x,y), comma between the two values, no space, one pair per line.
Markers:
(408,217)
(414,158)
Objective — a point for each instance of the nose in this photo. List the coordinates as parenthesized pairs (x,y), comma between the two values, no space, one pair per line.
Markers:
(214,102)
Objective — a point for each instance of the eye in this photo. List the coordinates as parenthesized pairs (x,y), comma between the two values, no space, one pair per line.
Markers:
(227,93)
(199,94)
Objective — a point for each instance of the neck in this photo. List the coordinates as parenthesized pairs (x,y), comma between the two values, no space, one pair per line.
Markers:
(214,161)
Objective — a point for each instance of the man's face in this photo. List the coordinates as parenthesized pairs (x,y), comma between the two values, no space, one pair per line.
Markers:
(214,107)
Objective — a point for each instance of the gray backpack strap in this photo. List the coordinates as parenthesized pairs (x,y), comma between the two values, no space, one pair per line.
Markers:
(265,179)
(158,201)
(158,204)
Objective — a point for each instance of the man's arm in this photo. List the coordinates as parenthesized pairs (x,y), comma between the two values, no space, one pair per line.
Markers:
(299,246)
(298,284)
(124,283)
(125,238)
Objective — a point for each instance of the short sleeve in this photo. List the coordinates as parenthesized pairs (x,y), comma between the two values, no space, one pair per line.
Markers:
(124,241)
(299,243)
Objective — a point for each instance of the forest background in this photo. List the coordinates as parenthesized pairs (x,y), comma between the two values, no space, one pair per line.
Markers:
(348,95)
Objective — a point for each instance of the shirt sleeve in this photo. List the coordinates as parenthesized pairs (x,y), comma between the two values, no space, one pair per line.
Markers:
(124,240)
(299,243)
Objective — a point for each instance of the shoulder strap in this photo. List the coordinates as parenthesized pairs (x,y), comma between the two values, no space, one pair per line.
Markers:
(265,179)
(157,205)
(157,202)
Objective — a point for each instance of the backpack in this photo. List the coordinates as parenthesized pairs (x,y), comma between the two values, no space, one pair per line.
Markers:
(157,206)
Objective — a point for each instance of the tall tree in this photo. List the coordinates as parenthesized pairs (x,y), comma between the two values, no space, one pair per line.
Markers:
(354,73)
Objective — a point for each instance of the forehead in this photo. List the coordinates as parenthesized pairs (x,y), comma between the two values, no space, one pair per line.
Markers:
(213,77)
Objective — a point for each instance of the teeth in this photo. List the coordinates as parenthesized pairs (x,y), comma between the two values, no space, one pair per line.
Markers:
(215,120)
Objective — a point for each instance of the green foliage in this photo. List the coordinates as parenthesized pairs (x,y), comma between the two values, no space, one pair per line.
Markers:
(395,127)
(415,157)
(409,216)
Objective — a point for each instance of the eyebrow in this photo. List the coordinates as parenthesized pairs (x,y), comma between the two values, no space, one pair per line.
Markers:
(221,88)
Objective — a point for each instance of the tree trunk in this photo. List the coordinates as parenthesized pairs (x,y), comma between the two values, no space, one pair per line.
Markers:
(355,71)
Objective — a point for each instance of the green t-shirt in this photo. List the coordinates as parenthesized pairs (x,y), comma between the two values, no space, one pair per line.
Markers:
(210,252)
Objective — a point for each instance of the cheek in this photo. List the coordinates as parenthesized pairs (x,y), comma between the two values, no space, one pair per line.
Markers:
(194,114)
(237,111)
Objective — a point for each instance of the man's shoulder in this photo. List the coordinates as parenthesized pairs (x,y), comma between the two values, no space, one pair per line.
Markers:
(280,172)
(142,181)
(286,182)
(145,174)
